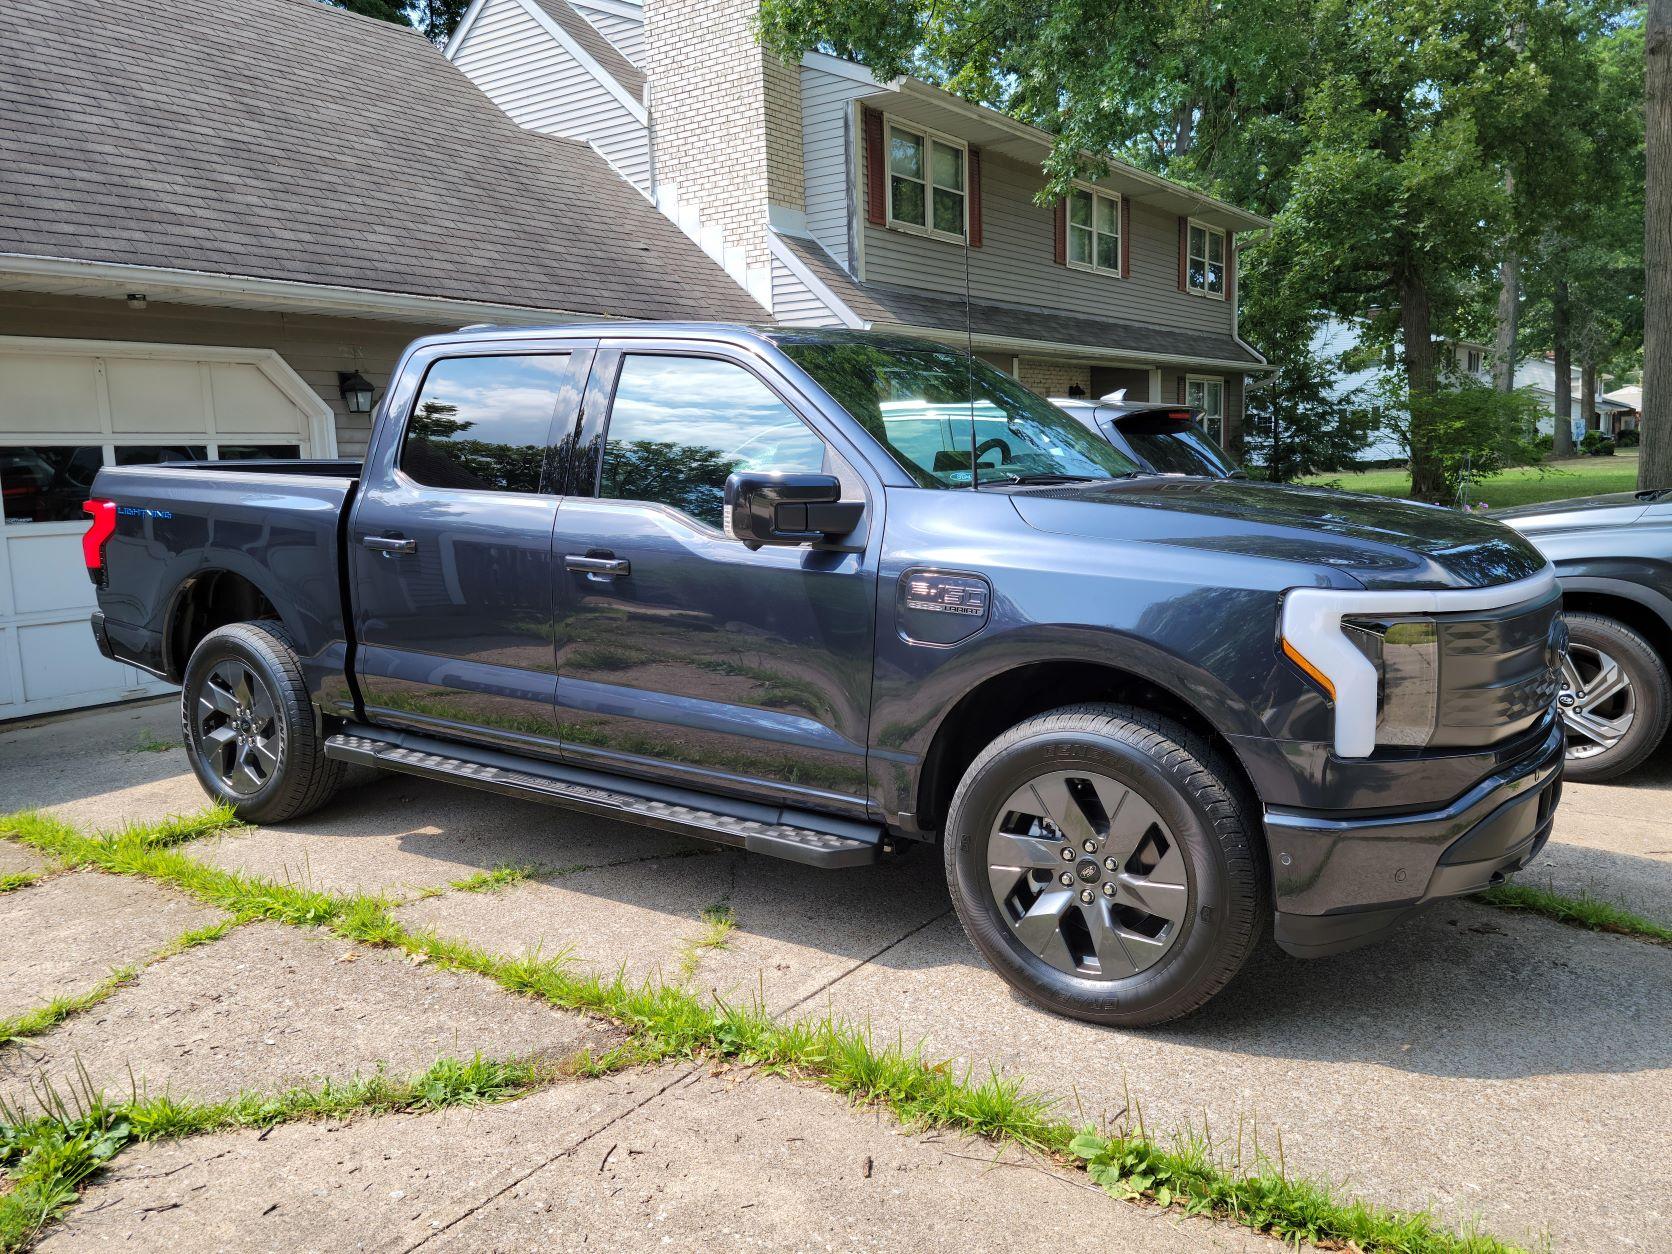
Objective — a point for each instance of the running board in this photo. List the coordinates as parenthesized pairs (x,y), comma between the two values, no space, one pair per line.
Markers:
(817,840)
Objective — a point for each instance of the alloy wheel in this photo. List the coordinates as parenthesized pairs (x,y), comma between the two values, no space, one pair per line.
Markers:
(238,728)
(1596,701)
(1087,875)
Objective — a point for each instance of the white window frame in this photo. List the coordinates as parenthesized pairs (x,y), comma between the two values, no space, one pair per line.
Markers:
(929,138)
(1069,229)
(1213,421)
(1224,260)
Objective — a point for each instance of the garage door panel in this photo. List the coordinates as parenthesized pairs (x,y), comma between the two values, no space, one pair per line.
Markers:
(148,397)
(48,572)
(9,686)
(59,659)
(246,400)
(43,392)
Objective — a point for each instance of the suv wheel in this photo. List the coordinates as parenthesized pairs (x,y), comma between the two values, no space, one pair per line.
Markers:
(1616,698)
(249,725)
(1102,860)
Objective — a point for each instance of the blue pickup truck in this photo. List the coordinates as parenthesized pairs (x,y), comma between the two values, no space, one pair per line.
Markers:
(829,596)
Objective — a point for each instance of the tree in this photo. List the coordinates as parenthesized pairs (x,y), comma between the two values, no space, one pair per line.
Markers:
(436,20)
(1654,467)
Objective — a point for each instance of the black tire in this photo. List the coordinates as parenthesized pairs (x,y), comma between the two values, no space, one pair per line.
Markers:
(299,778)
(1648,698)
(1195,798)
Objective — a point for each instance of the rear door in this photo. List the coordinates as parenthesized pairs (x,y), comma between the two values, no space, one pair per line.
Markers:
(682,654)
(449,548)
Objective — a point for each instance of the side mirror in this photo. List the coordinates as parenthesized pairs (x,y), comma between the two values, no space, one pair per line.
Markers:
(766,507)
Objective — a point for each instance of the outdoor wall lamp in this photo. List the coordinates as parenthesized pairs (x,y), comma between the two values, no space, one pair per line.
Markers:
(356,390)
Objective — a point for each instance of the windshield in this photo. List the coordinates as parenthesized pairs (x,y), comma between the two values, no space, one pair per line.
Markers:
(1175,447)
(922,402)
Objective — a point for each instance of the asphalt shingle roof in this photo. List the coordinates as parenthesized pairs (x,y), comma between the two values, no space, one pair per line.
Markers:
(596,45)
(877,303)
(287,140)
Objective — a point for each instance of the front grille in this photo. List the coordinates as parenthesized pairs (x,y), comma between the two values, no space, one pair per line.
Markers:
(1499,672)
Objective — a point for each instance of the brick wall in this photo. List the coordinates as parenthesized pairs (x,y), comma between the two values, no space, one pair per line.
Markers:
(725,116)
(1053,378)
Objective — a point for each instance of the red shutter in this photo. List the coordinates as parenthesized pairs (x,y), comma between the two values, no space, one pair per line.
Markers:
(1059,218)
(974,193)
(1125,238)
(1184,255)
(876,190)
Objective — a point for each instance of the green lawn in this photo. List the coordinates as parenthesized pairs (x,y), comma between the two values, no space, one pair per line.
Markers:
(1528,485)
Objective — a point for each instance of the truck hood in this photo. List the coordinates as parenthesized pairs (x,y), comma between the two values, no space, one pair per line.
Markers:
(1378,541)
(1611,510)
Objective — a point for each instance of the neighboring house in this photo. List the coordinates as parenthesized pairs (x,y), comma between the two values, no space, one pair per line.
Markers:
(1630,416)
(839,200)
(211,211)
(1355,382)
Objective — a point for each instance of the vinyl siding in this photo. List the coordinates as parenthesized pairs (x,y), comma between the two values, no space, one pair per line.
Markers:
(793,304)
(533,78)
(625,33)
(1015,265)
(825,109)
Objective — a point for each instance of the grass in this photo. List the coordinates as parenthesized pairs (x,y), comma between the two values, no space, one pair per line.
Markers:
(493,881)
(1585,912)
(19,879)
(48,1157)
(150,742)
(717,925)
(668,1021)
(1525,485)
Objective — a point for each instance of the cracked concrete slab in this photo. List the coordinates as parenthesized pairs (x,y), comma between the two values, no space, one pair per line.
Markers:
(1465,1063)
(398,835)
(668,1158)
(270,1005)
(795,928)
(100,769)
(62,937)
(20,860)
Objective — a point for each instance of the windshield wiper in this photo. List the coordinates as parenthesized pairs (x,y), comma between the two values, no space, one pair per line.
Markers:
(1048,477)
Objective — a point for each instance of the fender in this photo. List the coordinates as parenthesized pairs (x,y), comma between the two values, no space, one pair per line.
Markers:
(1583,581)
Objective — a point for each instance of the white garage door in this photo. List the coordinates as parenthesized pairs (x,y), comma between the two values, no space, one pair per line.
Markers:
(66,408)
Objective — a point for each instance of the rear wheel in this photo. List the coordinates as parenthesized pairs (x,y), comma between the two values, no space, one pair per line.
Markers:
(1101,859)
(249,725)
(1616,698)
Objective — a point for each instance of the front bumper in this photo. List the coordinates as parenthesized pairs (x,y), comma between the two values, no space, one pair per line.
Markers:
(1341,883)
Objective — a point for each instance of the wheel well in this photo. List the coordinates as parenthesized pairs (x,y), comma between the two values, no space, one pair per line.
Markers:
(1633,614)
(209,601)
(999,703)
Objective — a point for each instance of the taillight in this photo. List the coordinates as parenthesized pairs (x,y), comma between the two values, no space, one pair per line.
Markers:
(93,541)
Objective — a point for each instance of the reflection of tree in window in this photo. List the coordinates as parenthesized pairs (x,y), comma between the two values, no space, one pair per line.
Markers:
(688,477)
(482,423)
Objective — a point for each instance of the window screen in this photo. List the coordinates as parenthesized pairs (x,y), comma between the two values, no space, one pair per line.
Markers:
(483,423)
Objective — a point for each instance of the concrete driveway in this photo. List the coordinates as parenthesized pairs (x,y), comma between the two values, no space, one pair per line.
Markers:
(1494,1066)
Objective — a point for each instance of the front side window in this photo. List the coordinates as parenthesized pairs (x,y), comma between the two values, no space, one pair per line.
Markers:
(1208,395)
(926,182)
(947,419)
(1206,269)
(483,423)
(680,425)
(1094,230)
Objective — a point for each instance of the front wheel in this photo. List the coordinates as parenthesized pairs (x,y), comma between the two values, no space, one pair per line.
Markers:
(249,727)
(1616,698)
(1102,859)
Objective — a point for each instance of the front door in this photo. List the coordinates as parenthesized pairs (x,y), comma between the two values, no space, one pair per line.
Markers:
(681,654)
(450,547)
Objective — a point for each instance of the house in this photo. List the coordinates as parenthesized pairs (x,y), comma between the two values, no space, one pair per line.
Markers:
(1337,340)
(220,222)
(841,200)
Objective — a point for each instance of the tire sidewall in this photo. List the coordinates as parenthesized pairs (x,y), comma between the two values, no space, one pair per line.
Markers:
(1648,675)
(217,647)
(1143,996)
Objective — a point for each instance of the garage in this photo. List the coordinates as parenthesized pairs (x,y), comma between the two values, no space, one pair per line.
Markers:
(68,407)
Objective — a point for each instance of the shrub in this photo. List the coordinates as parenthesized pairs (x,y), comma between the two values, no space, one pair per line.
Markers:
(1596,444)
(1474,431)
(1628,438)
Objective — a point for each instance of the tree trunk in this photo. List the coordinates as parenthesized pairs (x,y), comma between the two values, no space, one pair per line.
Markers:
(1428,481)
(1509,320)
(1587,387)
(1654,467)
(1563,428)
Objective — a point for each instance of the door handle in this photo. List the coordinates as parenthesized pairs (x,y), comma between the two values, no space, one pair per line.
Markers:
(390,544)
(598,565)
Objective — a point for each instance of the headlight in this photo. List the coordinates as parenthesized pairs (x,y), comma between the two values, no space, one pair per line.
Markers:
(1406,655)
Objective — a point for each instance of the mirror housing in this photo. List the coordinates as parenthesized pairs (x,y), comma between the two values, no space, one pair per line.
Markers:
(774,507)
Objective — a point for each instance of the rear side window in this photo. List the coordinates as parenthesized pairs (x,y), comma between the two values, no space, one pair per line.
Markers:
(680,425)
(484,423)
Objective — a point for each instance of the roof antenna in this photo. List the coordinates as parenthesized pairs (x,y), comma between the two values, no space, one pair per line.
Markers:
(969,342)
